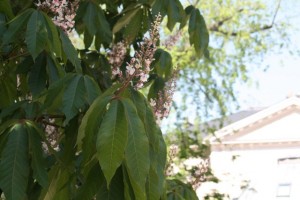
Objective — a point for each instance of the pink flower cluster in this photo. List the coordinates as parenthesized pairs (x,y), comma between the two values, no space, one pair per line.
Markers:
(172,40)
(138,68)
(116,57)
(62,11)
(162,105)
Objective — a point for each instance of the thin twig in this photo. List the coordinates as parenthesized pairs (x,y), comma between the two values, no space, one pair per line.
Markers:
(216,27)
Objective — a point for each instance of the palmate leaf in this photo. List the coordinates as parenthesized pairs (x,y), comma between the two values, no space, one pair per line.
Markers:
(90,17)
(73,98)
(104,33)
(115,190)
(198,32)
(14,166)
(92,89)
(175,13)
(126,18)
(112,140)
(16,26)
(38,162)
(155,179)
(137,150)
(163,63)
(8,90)
(180,190)
(90,186)
(93,116)
(132,29)
(6,8)
(38,75)
(128,190)
(70,51)
(36,34)
(53,38)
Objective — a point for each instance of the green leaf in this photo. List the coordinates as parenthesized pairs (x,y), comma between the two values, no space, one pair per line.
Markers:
(137,151)
(38,162)
(14,167)
(73,98)
(153,187)
(112,140)
(128,190)
(38,76)
(104,33)
(92,89)
(157,85)
(36,34)
(54,94)
(6,9)
(160,6)
(58,179)
(115,190)
(52,70)
(2,26)
(6,125)
(155,180)
(175,13)
(70,51)
(16,26)
(8,89)
(198,32)
(179,190)
(163,63)
(126,18)
(92,118)
(161,158)
(90,186)
(53,38)
(135,26)
(90,17)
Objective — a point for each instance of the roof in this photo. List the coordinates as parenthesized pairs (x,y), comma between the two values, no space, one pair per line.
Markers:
(244,119)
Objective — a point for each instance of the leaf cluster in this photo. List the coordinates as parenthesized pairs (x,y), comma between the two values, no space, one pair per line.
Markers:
(68,129)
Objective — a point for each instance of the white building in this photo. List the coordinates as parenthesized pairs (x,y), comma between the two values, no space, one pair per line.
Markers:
(258,157)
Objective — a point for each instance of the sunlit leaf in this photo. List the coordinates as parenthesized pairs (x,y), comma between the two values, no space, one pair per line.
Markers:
(112,140)
(53,38)
(70,51)
(126,18)
(198,32)
(137,151)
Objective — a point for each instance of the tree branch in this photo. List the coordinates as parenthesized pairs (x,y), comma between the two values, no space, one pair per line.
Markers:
(216,27)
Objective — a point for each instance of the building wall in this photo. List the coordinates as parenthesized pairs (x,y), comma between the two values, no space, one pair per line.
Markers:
(263,172)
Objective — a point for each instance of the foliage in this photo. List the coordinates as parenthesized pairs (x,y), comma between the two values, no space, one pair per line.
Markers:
(241,34)
(70,128)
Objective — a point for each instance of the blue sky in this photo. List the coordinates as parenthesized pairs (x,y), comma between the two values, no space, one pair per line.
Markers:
(283,76)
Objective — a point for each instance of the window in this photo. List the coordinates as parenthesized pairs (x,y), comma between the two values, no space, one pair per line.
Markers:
(283,190)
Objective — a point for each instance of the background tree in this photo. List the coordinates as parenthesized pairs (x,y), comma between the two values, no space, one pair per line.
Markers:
(241,34)
(74,122)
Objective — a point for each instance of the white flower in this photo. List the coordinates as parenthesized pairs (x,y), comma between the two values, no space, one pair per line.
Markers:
(130,69)
(139,85)
(152,102)
(144,77)
(115,71)
(147,62)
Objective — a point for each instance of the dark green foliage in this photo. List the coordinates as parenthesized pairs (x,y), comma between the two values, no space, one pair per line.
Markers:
(68,129)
